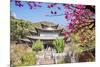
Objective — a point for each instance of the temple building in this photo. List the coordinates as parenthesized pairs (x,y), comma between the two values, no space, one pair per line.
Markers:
(47,34)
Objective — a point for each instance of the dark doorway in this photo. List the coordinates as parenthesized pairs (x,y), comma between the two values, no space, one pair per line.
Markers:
(48,45)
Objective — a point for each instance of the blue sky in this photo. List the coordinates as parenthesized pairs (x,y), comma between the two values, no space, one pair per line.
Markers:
(38,14)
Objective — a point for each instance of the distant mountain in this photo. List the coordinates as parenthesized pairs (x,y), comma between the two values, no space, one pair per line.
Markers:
(36,24)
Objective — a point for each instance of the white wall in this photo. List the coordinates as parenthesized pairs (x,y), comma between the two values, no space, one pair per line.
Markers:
(55,34)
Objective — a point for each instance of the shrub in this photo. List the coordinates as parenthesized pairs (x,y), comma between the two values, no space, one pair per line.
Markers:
(37,46)
(59,45)
(28,59)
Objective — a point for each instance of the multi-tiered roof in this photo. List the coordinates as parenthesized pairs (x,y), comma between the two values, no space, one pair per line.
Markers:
(45,33)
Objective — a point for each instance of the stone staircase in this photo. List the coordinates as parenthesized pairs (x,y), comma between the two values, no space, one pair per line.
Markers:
(44,57)
(50,56)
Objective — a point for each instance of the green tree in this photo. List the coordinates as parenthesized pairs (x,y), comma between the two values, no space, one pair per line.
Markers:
(37,46)
(19,29)
(59,45)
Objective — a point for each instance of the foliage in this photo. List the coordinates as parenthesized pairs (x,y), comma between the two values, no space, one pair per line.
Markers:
(59,45)
(85,40)
(21,55)
(37,46)
(75,38)
(19,28)
(27,59)
(80,47)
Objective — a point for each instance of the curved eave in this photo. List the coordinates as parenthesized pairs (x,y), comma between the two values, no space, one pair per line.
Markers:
(25,40)
(33,32)
(46,30)
(44,38)
(56,26)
